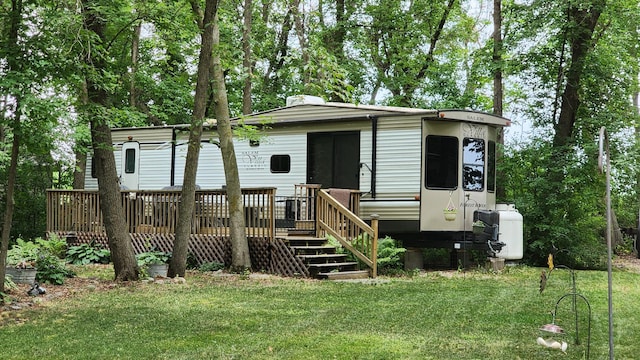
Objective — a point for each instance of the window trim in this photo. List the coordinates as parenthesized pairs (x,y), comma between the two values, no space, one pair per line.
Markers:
(484,165)
(456,163)
(130,161)
(277,157)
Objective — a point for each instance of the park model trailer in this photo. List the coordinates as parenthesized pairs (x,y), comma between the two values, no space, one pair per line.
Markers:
(409,164)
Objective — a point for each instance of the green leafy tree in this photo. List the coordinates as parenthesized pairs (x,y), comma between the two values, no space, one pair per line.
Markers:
(567,51)
(205,20)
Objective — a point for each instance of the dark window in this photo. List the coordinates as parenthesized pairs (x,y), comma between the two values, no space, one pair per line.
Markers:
(473,164)
(441,162)
(94,168)
(130,161)
(280,163)
(333,159)
(491,167)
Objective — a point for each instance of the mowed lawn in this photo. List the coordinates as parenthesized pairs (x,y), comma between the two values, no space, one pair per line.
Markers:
(435,315)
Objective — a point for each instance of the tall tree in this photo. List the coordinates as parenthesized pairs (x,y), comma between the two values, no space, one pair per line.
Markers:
(13,59)
(403,43)
(582,20)
(246,56)
(240,259)
(497,85)
(98,108)
(205,21)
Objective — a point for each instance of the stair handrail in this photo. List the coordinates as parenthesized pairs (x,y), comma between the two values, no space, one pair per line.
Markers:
(353,233)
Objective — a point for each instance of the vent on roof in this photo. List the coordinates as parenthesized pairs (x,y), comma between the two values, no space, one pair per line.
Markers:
(304,99)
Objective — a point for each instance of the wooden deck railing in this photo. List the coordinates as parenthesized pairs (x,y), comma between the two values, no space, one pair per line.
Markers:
(353,233)
(156,212)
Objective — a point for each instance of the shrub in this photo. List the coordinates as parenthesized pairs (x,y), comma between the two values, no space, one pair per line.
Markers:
(211,266)
(23,254)
(84,254)
(44,256)
(54,245)
(51,269)
(153,257)
(390,256)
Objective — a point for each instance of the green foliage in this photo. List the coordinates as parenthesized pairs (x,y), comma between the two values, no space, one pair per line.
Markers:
(211,266)
(153,257)
(54,245)
(51,269)
(9,286)
(627,246)
(44,256)
(571,221)
(390,255)
(88,254)
(23,254)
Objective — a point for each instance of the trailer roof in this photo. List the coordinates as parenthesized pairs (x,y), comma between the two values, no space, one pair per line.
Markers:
(333,111)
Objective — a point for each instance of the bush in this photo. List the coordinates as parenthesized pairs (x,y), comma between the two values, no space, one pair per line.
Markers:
(54,245)
(84,254)
(153,257)
(51,269)
(211,266)
(390,256)
(42,254)
(23,254)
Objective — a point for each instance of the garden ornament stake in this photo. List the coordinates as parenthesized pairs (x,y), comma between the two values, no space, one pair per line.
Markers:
(604,146)
(555,329)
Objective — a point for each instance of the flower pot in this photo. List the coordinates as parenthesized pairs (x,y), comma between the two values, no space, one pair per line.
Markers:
(22,276)
(478,229)
(450,215)
(155,270)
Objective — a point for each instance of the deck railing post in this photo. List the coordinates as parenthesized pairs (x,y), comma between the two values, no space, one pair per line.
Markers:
(374,245)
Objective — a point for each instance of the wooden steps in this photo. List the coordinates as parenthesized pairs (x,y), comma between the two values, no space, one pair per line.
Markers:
(321,259)
(345,275)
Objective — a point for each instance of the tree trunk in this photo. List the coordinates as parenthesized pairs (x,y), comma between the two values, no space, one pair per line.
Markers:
(246,61)
(135,44)
(122,254)
(298,20)
(497,57)
(580,38)
(9,190)
(498,89)
(13,51)
(240,259)
(80,168)
(178,262)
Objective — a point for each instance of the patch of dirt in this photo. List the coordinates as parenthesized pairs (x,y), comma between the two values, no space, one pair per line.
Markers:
(627,262)
(18,299)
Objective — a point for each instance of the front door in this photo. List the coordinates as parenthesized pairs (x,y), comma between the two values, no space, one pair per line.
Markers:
(333,159)
(130,166)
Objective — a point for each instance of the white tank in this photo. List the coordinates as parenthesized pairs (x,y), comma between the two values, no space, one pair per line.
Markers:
(511,233)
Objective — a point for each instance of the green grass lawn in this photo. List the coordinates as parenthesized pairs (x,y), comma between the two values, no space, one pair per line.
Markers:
(468,315)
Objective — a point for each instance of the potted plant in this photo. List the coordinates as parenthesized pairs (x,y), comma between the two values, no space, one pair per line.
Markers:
(450,211)
(478,227)
(450,214)
(155,262)
(21,262)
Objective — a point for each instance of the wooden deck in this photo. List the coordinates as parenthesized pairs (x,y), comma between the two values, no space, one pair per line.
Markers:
(156,212)
(151,218)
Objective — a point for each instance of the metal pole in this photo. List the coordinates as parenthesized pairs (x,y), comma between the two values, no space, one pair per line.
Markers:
(604,145)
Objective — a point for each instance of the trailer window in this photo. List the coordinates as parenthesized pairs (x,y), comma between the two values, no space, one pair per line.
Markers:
(441,170)
(280,163)
(473,164)
(491,167)
(130,161)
